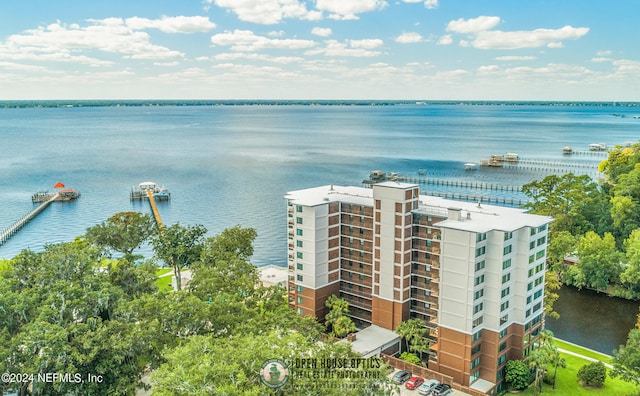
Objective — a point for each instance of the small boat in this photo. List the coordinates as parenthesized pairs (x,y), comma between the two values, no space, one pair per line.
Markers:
(158,192)
(597,147)
(470,166)
(511,157)
(567,150)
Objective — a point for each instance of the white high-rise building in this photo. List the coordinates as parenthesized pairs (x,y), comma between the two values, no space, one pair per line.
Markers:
(474,273)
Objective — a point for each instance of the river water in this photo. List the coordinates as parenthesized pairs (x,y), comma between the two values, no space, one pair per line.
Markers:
(593,319)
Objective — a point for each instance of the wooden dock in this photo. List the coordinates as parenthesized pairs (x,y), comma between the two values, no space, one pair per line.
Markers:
(154,209)
(11,231)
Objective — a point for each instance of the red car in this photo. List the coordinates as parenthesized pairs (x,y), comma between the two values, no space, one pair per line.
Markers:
(414,382)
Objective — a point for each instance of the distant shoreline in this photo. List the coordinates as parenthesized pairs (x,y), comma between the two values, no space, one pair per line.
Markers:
(274,102)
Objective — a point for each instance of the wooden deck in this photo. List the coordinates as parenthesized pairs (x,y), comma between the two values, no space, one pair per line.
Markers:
(11,231)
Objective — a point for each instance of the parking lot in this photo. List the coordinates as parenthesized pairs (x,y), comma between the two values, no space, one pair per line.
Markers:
(407,392)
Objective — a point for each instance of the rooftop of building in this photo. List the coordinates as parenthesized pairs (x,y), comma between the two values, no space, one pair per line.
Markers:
(473,217)
(273,275)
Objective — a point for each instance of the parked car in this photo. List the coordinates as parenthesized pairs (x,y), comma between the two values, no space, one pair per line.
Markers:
(427,387)
(401,377)
(413,382)
(441,390)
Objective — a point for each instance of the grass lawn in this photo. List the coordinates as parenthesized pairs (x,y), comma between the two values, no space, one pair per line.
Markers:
(567,382)
(163,282)
(586,352)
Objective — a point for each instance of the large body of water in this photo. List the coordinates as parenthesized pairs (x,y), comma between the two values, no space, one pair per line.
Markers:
(228,165)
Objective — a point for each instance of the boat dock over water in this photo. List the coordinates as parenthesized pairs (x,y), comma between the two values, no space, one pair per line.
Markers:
(152,192)
(44,199)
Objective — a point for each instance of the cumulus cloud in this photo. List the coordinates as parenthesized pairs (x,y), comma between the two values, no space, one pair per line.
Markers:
(515,58)
(601,59)
(429,4)
(322,32)
(246,40)
(65,43)
(267,12)
(496,39)
(410,37)
(445,40)
(177,24)
(348,9)
(259,57)
(352,48)
(473,25)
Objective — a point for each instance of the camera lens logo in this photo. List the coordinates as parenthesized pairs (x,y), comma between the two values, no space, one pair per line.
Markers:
(274,373)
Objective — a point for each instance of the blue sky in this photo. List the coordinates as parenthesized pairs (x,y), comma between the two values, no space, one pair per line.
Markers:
(320,49)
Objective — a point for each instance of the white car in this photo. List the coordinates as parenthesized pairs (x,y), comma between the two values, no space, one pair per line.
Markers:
(428,386)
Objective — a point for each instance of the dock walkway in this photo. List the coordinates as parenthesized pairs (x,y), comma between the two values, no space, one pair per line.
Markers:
(11,231)
(154,209)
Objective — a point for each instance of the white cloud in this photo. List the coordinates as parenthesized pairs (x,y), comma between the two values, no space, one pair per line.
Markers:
(410,37)
(366,43)
(347,9)
(473,25)
(276,33)
(246,40)
(604,53)
(515,58)
(497,39)
(445,40)
(259,57)
(429,4)
(601,59)
(177,24)
(362,48)
(62,43)
(267,12)
(322,32)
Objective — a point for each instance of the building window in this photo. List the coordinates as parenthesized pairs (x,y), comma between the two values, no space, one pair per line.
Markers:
(475,349)
(504,292)
(528,299)
(299,266)
(506,278)
(503,333)
(474,376)
(477,308)
(299,311)
(479,280)
(300,289)
(537,307)
(299,255)
(299,278)
(504,306)
(506,250)
(299,300)
(504,319)
(298,208)
(481,237)
(478,293)
(540,254)
(537,294)
(476,336)
(502,346)
(299,243)
(299,220)
(542,228)
(532,258)
(508,235)
(475,362)
(480,265)
(506,264)
(533,231)
(502,359)
(361,276)
(480,251)
(542,240)
(532,245)
(477,322)
(299,232)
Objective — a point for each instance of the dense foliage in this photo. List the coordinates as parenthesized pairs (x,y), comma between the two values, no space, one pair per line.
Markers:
(76,309)
(593,374)
(517,374)
(597,223)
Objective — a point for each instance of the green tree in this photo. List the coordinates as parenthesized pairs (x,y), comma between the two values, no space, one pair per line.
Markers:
(562,244)
(626,359)
(517,374)
(630,277)
(123,232)
(179,247)
(336,319)
(415,335)
(599,260)
(411,358)
(593,374)
(551,284)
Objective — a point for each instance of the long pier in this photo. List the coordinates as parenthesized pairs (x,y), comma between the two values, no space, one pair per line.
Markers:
(478,198)
(459,183)
(154,209)
(11,231)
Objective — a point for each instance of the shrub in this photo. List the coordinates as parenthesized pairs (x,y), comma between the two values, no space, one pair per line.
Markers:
(411,358)
(517,374)
(593,374)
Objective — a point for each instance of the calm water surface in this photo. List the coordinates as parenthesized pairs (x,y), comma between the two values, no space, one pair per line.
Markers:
(228,165)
